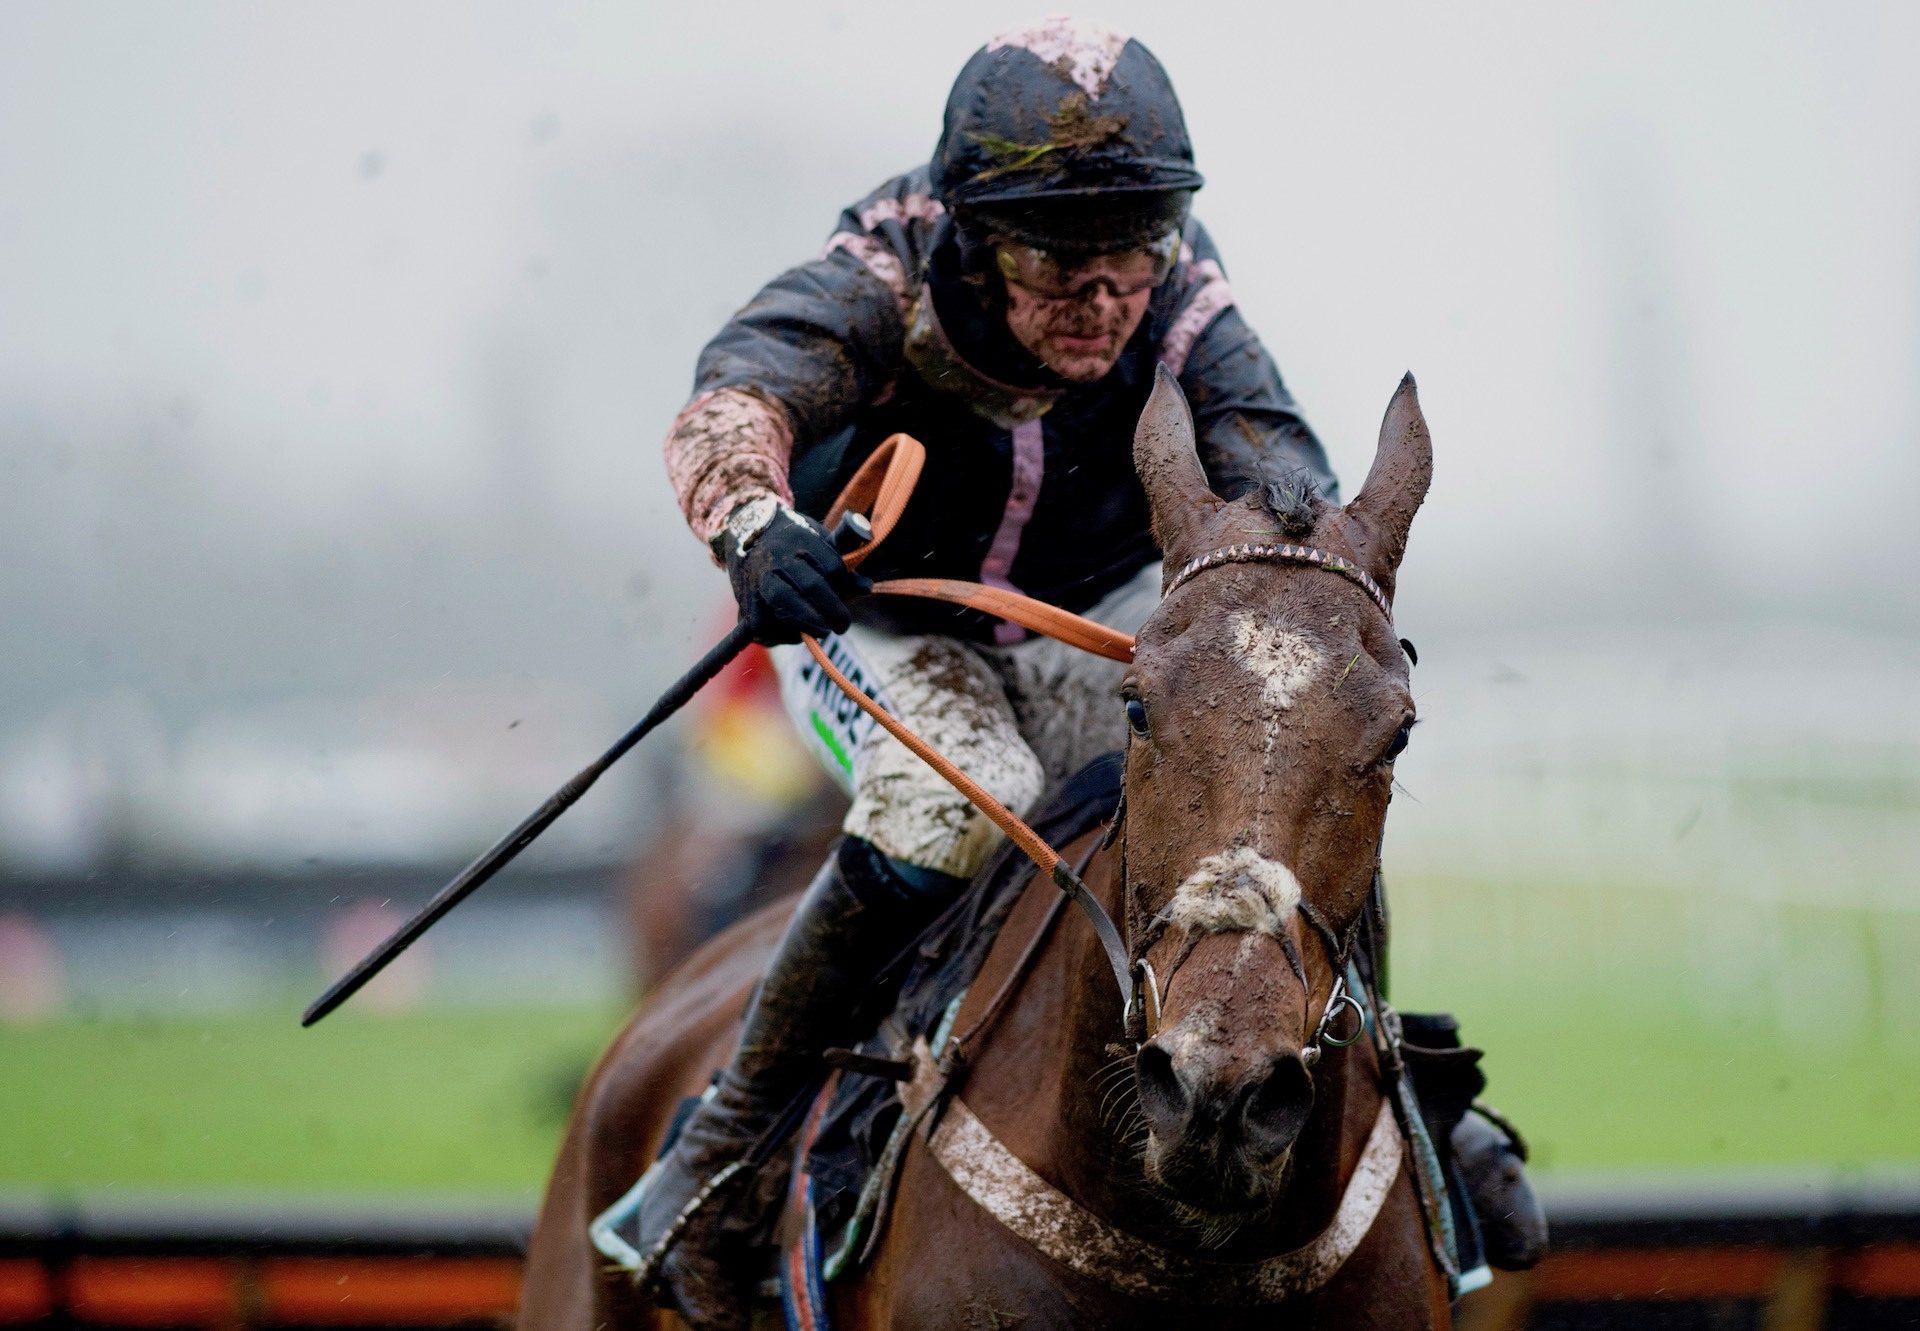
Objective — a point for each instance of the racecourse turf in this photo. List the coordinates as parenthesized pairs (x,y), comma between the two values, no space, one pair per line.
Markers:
(1620,1036)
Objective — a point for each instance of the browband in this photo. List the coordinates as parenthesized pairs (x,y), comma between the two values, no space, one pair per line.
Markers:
(1268,553)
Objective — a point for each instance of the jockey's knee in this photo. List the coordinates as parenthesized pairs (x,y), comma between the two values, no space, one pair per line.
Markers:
(919,821)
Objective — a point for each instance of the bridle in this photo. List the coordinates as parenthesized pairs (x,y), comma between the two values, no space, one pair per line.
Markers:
(1144,993)
(882,487)
(1140,991)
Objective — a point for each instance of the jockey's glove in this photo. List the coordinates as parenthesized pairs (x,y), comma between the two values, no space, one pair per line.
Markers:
(787,577)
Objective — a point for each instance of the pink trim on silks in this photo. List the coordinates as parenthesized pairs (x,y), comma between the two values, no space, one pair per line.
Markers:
(880,260)
(725,448)
(1029,464)
(1083,50)
(913,208)
(1212,299)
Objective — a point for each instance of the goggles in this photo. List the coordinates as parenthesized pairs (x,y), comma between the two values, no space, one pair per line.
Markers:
(1054,277)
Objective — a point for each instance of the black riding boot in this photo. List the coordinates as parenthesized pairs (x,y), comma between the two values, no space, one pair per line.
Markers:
(861,910)
(1492,1158)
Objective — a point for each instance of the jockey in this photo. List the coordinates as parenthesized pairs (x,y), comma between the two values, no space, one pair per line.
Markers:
(1007,306)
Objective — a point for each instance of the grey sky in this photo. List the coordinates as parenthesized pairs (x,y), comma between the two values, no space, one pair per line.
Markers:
(336,341)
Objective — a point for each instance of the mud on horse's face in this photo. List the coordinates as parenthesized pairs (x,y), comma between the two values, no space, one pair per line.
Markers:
(1267,702)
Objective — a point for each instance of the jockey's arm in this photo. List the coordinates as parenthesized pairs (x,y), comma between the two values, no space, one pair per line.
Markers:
(789,369)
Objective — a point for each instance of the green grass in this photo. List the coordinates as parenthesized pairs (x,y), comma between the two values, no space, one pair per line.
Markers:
(1646,1029)
(1627,1029)
(444,1102)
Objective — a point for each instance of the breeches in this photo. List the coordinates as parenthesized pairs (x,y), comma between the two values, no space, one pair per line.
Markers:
(1016,719)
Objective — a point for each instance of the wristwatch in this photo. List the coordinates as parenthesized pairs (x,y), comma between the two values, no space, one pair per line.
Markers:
(745,524)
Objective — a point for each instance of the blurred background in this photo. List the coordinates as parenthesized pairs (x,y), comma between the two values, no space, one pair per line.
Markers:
(336,346)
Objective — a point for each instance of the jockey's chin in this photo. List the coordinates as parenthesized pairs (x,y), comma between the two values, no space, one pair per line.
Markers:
(1078,339)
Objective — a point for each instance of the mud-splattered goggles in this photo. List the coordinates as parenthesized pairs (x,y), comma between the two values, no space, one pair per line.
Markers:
(1056,277)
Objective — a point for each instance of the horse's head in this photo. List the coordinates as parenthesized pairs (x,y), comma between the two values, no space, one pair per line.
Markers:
(1268,700)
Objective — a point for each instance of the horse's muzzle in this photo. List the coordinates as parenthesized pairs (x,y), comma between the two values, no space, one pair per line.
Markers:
(1221,1131)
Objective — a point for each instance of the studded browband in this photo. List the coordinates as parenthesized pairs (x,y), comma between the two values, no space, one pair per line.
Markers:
(1261,552)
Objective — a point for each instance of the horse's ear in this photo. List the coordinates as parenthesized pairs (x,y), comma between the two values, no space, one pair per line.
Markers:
(1396,485)
(1169,466)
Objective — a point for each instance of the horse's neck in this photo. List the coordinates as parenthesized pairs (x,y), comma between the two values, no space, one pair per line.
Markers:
(1096,1135)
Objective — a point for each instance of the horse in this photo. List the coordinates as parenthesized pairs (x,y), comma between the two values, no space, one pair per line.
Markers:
(1206,1175)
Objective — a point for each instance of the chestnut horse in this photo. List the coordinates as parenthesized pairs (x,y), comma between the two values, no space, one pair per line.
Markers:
(1223,1175)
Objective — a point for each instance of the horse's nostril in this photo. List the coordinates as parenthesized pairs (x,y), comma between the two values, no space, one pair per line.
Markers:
(1162,1098)
(1277,1108)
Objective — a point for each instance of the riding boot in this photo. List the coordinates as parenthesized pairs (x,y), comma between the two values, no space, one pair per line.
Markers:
(861,910)
(1492,1158)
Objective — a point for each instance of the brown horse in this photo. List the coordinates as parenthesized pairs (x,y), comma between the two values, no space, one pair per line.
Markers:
(1210,1178)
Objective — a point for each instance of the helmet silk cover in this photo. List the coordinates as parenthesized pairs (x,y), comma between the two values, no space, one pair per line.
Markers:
(1066,121)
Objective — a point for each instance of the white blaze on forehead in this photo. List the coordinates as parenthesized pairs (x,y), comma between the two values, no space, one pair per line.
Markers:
(1234,891)
(1284,661)
(1085,51)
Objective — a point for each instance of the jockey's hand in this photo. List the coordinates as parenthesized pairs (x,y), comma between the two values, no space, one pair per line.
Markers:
(787,577)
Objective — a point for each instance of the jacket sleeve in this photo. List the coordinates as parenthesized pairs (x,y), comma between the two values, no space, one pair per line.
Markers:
(822,340)
(1248,428)
(792,368)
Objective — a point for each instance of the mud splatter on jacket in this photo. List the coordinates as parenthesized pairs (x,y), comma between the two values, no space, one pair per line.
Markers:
(1029,480)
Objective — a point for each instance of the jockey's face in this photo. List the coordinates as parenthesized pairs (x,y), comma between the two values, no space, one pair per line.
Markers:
(1077,337)
(1076,317)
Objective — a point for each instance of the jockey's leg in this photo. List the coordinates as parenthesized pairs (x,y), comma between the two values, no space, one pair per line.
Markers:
(1492,1159)
(912,843)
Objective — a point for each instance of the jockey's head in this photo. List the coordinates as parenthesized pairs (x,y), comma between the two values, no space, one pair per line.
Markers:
(1065,162)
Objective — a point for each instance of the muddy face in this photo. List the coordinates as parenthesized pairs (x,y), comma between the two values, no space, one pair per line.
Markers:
(1268,702)
(1077,337)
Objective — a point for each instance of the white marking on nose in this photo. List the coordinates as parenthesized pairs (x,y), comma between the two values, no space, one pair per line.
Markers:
(1285,661)
(1236,890)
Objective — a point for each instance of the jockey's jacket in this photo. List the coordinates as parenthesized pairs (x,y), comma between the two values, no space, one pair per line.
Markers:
(1029,481)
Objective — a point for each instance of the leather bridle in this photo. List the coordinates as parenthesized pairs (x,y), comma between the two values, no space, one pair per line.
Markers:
(1145,993)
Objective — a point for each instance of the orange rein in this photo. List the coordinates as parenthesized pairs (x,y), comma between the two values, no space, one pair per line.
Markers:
(881,489)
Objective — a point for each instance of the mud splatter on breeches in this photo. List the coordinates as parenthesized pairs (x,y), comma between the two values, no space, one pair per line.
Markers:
(1016,719)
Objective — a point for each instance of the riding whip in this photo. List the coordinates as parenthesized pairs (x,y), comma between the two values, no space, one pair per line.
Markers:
(851,531)
(860,519)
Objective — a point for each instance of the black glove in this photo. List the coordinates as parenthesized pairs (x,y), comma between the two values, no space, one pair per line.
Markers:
(787,577)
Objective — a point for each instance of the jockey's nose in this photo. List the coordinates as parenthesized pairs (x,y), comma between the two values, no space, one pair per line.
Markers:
(1195,1094)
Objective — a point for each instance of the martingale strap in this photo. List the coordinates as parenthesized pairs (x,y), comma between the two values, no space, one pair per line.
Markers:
(1009,1190)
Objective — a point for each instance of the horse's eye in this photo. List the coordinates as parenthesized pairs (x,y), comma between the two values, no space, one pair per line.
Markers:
(1137,717)
(1400,738)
